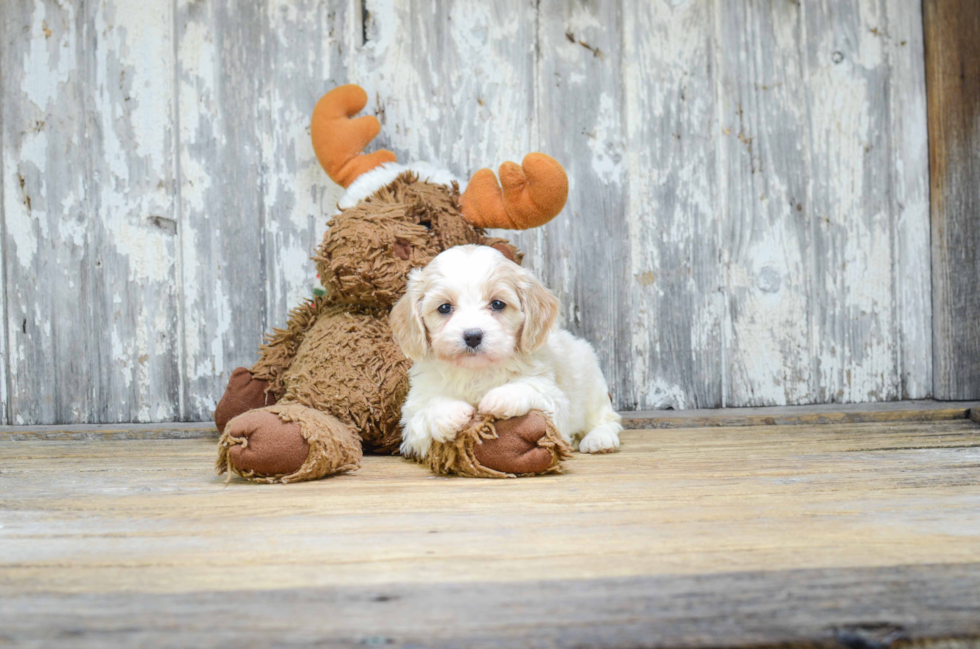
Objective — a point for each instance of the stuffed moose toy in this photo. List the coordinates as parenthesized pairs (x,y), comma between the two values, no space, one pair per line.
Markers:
(330,386)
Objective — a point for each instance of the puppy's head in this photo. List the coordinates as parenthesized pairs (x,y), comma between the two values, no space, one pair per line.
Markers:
(472,307)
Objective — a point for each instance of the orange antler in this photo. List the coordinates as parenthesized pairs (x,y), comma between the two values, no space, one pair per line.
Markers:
(338,140)
(532,195)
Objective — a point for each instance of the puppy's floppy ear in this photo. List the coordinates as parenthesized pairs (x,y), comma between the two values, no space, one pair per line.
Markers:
(406,320)
(540,312)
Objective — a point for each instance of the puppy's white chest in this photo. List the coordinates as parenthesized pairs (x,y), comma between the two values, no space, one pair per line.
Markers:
(472,386)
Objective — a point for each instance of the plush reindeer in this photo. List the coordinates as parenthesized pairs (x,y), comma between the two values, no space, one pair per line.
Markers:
(330,385)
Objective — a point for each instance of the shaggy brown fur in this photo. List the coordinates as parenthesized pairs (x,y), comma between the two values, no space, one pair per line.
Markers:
(281,345)
(348,365)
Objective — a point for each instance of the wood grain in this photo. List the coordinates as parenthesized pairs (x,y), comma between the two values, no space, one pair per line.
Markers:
(747,222)
(677,304)
(853,325)
(766,243)
(580,122)
(845,258)
(889,411)
(952,55)
(451,82)
(920,606)
(4,360)
(89,214)
(146,516)
(766,534)
(223,280)
(108,432)
(909,194)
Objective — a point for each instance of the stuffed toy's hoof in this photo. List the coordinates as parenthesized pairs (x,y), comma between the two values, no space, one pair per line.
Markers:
(515,449)
(287,443)
(263,444)
(502,448)
(243,393)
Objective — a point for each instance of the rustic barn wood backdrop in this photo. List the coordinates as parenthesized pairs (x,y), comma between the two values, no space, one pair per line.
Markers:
(748,223)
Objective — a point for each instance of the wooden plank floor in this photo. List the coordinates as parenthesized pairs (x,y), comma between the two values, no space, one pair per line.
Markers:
(861,534)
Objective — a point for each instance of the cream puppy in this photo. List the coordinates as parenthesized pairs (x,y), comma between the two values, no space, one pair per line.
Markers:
(481,332)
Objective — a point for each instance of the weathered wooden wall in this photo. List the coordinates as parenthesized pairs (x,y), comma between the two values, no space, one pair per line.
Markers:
(749,212)
(952,28)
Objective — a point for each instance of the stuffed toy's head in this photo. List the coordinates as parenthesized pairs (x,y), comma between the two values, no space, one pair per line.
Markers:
(369,248)
(395,218)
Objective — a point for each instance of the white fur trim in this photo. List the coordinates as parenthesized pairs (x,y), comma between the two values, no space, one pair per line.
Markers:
(370,182)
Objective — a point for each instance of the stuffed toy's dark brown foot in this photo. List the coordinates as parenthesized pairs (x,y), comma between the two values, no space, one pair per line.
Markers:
(243,393)
(287,443)
(502,448)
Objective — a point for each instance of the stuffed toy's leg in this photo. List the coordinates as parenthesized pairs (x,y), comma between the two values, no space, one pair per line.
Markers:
(502,448)
(260,385)
(244,393)
(287,443)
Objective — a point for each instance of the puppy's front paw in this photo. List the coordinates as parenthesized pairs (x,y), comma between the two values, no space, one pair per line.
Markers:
(447,419)
(601,439)
(507,401)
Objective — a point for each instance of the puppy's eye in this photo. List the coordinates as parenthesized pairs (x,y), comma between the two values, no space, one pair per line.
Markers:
(445,309)
(497,305)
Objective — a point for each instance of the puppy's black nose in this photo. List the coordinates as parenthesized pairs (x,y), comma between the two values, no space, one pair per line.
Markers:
(473,337)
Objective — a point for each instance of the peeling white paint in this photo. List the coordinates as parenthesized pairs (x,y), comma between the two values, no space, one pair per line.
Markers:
(672,206)
(608,150)
(4,360)
(26,218)
(767,338)
(92,139)
(732,289)
(910,161)
(659,394)
(221,328)
(765,231)
(463,117)
(48,62)
(199,61)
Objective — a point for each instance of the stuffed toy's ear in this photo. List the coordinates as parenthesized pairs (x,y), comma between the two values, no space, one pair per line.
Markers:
(532,194)
(506,248)
(338,140)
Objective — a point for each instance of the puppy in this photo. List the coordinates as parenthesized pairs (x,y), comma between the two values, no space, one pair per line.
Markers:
(481,332)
